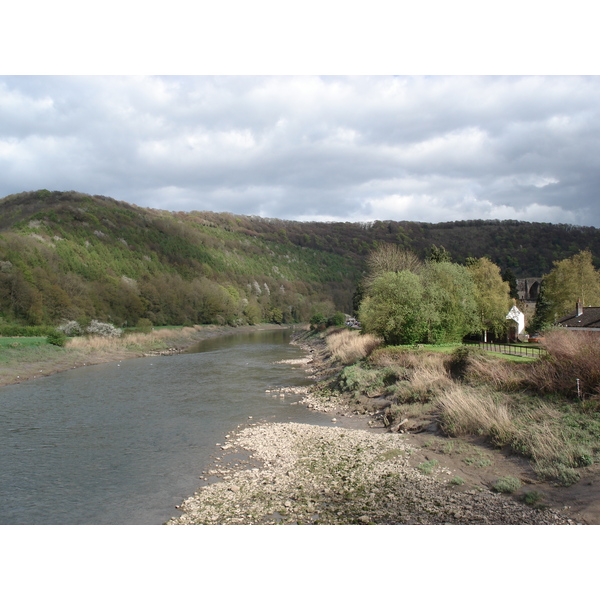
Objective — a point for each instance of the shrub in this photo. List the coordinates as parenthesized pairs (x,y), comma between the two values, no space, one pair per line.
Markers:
(103,329)
(532,498)
(26,330)
(57,338)
(144,325)
(457,481)
(572,355)
(428,466)
(507,485)
(461,358)
(357,379)
(70,328)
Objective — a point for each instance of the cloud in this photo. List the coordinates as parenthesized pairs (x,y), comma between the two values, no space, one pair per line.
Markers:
(312,148)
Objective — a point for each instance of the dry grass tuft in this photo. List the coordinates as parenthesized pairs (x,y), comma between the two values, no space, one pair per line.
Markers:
(468,411)
(348,346)
(572,355)
(109,344)
(498,374)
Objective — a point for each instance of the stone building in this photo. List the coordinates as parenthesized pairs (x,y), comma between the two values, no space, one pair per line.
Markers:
(529,289)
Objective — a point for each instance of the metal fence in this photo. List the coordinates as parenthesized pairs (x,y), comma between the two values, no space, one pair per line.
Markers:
(516,349)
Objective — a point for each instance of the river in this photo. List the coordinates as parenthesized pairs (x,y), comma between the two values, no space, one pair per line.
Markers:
(124,443)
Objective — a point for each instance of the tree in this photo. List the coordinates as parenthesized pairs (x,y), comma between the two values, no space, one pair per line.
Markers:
(491,295)
(543,317)
(510,278)
(435,254)
(571,280)
(450,302)
(394,308)
(390,258)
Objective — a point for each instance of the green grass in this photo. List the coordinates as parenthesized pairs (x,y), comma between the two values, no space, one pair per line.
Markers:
(512,357)
(21,342)
(457,481)
(507,485)
(428,466)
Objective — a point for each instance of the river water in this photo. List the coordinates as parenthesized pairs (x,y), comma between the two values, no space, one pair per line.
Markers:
(124,443)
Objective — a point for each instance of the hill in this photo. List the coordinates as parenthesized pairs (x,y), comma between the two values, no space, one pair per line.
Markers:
(68,255)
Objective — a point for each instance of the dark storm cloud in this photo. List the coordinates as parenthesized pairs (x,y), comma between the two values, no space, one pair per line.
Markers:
(332,148)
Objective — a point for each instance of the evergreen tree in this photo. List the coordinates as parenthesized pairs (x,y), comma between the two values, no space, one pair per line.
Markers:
(544,315)
(510,278)
(438,255)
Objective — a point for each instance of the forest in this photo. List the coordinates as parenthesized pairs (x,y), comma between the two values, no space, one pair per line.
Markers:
(72,256)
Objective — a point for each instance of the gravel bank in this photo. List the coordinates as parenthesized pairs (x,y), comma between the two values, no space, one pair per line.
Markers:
(307,474)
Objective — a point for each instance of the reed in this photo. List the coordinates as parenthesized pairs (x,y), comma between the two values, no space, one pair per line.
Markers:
(347,346)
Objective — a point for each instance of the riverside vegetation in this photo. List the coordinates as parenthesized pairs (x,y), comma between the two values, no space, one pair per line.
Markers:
(546,409)
(286,473)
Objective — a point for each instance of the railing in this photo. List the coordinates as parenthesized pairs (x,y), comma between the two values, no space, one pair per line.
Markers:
(516,349)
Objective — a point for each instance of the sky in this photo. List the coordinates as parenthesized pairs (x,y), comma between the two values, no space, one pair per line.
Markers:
(306,145)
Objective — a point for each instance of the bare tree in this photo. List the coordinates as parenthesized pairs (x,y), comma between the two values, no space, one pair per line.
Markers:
(390,258)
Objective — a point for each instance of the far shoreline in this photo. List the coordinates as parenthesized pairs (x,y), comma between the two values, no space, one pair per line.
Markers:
(16,370)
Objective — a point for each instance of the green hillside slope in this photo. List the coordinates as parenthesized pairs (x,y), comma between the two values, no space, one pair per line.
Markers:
(68,255)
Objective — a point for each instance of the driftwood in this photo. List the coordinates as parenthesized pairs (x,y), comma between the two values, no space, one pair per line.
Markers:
(396,428)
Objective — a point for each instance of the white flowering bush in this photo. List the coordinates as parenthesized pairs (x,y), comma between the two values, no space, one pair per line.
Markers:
(103,329)
(70,328)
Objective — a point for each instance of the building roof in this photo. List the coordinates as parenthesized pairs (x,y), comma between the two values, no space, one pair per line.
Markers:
(588,319)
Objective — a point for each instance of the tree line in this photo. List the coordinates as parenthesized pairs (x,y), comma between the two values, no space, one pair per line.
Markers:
(68,255)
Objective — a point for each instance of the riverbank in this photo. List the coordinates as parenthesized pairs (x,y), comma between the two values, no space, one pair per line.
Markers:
(356,472)
(21,363)
(307,474)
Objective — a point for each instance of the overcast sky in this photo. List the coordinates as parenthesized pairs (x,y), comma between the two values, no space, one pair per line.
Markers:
(350,148)
(284,142)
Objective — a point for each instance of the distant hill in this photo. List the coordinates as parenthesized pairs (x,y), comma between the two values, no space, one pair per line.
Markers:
(68,255)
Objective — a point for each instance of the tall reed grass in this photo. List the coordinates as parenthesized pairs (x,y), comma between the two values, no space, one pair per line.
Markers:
(98,343)
(472,411)
(349,346)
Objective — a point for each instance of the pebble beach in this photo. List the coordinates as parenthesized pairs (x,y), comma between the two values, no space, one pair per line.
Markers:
(307,474)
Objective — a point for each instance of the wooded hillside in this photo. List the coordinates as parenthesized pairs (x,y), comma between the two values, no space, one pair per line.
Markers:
(68,255)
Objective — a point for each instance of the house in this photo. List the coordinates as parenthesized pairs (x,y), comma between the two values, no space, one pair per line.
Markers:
(518,318)
(583,318)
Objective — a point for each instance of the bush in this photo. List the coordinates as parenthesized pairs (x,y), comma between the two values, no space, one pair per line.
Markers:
(70,328)
(532,498)
(57,338)
(457,481)
(350,346)
(26,330)
(103,329)
(466,411)
(572,355)
(337,320)
(461,358)
(507,485)
(144,325)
